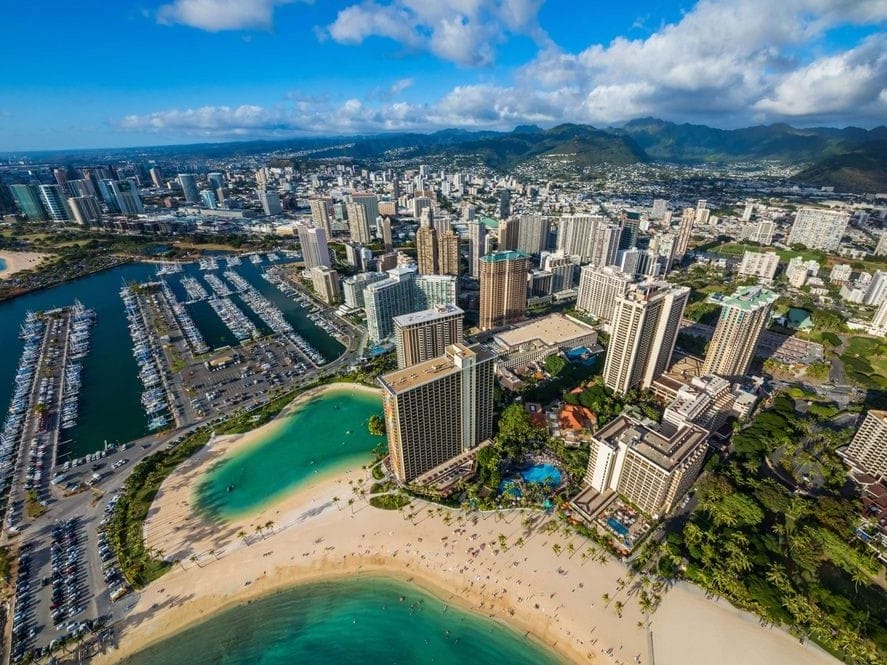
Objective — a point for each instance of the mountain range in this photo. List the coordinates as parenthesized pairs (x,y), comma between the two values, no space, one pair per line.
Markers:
(849,159)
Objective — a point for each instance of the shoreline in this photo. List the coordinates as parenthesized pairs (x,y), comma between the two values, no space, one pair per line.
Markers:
(23,291)
(499,565)
(225,447)
(366,572)
(16,262)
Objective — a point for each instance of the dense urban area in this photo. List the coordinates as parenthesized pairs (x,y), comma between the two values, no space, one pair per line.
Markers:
(683,364)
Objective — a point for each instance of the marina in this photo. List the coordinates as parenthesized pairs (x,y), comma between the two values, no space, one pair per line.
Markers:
(273,317)
(156,399)
(234,318)
(169,268)
(179,314)
(218,286)
(194,289)
(110,409)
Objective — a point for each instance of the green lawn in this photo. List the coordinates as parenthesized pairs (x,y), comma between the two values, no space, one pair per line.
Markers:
(865,360)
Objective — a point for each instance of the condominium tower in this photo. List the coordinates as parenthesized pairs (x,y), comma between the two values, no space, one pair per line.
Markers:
(56,204)
(28,199)
(188,181)
(503,288)
(599,288)
(868,450)
(358,223)
(477,236)
(818,229)
(320,213)
(744,315)
(438,409)
(421,336)
(643,333)
(315,251)
(685,229)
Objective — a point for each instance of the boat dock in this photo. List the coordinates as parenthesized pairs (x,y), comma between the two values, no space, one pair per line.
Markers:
(45,402)
(160,400)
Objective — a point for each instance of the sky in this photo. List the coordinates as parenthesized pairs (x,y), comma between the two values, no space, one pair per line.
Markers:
(95,73)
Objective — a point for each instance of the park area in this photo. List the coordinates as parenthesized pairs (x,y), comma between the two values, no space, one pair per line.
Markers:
(865,362)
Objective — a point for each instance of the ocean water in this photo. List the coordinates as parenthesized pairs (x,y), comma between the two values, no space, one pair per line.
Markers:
(324,432)
(344,622)
(110,407)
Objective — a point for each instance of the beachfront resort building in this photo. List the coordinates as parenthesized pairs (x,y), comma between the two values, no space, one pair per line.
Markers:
(744,315)
(421,336)
(650,467)
(401,292)
(438,409)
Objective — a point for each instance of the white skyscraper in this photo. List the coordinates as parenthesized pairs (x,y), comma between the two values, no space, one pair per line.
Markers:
(477,234)
(818,229)
(315,251)
(599,288)
(576,236)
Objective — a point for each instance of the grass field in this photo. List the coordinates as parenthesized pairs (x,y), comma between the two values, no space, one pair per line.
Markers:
(865,360)
(735,250)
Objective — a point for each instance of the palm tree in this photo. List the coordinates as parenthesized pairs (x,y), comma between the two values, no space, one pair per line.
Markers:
(242,534)
(605,597)
(619,605)
(270,525)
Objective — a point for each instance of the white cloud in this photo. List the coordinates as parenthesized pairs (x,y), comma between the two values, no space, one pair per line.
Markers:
(854,79)
(461,31)
(217,15)
(726,62)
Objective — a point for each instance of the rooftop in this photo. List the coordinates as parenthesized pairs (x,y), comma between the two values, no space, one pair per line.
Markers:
(664,451)
(403,380)
(426,315)
(551,330)
(748,298)
(506,255)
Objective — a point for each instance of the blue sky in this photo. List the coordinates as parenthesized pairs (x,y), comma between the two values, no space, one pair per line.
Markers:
(103,74)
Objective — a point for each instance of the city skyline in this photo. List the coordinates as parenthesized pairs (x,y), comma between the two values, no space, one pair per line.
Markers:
(276,69)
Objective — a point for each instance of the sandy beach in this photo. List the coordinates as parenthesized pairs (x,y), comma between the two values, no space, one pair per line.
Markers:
(18,261)
(516,566)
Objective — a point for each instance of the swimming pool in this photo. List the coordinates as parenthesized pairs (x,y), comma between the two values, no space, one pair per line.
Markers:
(547,474)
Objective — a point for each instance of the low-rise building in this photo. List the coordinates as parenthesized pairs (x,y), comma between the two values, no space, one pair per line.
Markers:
(762,265)
(537,339)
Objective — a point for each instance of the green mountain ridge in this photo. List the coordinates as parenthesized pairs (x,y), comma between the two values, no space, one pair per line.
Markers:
(863,169)
(699,143)
(849,158)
